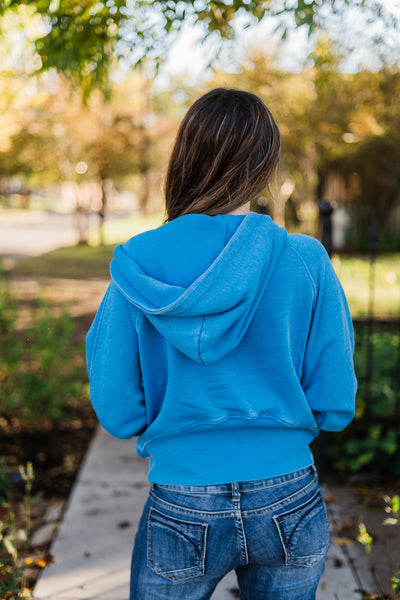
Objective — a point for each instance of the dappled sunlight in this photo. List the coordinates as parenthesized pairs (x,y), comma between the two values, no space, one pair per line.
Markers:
(354,274)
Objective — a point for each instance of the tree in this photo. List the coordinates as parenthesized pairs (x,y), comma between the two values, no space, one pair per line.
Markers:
(332,124)
(94,146)
(302,104)
(368,162)
(376,163)
(83,39)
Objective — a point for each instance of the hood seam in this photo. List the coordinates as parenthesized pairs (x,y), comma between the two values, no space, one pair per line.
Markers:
(199,341)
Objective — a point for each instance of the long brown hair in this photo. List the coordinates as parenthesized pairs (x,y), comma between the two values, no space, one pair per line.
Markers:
(226,151)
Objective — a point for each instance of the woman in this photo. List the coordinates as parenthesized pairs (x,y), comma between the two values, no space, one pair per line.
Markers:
(226,345)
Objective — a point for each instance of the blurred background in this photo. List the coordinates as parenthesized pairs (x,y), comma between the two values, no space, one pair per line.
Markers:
(91,95)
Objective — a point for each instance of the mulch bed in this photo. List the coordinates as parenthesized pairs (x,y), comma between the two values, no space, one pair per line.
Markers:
(56,451)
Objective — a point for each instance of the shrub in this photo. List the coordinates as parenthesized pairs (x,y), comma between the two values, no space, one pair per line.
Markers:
(42,368)
(372,440)
(15,528)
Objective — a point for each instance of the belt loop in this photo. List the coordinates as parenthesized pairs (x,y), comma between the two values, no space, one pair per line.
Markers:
(235,490)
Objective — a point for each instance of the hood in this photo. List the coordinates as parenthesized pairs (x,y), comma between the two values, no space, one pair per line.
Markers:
(199,279)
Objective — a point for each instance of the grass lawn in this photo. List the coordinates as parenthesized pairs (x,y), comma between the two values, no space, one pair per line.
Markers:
(354,274)
(70,262)
(87,262)
(120,229)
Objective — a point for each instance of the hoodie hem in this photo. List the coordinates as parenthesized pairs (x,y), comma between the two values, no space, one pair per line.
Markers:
(217,457)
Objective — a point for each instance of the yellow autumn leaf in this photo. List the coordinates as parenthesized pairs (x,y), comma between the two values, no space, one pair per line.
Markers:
(342,541)
(40,563)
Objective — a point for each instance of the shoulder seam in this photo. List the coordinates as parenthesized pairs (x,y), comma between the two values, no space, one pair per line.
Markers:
(307,270)
(101,315)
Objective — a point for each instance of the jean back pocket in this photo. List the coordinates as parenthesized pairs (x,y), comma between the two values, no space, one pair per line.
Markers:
(304,532)
(176,549)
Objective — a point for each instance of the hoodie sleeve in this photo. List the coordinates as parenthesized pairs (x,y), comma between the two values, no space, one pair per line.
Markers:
(328,379)
(114,368)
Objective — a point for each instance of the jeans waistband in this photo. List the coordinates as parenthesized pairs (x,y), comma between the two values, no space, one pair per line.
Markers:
(243,486)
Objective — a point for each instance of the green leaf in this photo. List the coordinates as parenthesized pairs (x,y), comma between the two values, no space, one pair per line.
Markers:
(10,547)
(395,581)
(396,505)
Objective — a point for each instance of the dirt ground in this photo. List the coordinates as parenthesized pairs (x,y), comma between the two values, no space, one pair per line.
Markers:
(353,500)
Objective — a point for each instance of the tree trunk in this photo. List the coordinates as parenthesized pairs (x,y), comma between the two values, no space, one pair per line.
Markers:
(102,210)
(81,218)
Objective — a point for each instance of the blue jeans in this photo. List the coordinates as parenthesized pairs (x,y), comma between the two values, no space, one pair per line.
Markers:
(273,532)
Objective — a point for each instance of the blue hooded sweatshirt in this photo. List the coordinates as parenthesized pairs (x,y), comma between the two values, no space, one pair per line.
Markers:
(225,344)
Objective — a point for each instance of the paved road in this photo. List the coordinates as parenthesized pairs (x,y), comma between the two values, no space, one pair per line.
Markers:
(34,233)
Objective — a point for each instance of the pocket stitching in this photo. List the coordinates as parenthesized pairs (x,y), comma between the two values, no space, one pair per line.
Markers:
(311,559)
(288,514)
(186,572)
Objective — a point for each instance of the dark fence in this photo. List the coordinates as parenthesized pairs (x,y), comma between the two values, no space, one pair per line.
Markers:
(372,441)
(377,338)
(379,341)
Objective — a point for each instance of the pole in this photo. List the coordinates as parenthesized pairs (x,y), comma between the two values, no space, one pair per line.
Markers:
(373,238)
(325,216)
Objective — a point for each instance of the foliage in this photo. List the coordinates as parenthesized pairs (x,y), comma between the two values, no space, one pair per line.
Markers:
(334,125)
(42,369)
(50,145)
(365,538)
(82,39)
(122,140)
(375,196)
(372,440)
(368,161)
(14,532)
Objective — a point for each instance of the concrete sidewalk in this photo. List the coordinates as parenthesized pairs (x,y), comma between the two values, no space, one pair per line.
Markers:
(93,546)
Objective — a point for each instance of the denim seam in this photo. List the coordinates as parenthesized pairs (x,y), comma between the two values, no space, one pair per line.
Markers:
(244,556)
(283,502)
(193,526)
(274,485)
(183,489)
(229,513)
(239,527)
(182,510)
